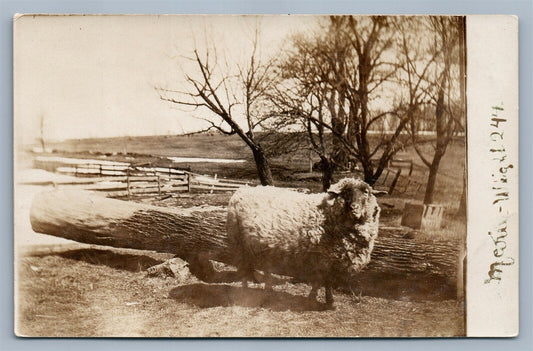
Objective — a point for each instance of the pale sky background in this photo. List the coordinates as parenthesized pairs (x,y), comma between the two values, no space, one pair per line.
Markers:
(94,76)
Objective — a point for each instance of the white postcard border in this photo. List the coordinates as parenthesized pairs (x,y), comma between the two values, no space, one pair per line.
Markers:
(492,240)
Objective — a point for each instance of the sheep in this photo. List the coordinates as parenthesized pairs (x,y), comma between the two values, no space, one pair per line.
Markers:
(316,238)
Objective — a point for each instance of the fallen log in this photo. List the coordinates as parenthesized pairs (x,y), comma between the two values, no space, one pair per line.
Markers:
(198,234)
(93,219)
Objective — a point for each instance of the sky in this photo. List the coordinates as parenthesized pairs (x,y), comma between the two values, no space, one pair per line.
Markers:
(94,76)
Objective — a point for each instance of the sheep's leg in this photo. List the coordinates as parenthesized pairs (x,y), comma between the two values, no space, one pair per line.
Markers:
(247,273)
(241,271)
(329,295)
(314,291)
(268,280)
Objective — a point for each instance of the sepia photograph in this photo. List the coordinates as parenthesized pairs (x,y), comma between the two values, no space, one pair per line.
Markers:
(248,176)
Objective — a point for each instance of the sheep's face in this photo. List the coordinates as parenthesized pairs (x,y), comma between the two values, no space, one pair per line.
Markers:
(351,197)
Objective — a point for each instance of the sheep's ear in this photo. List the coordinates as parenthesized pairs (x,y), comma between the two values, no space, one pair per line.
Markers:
(331,198)
(379,192)
(335,189)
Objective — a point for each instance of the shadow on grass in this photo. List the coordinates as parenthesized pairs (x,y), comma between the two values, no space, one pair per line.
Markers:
(204,296)
(127,262)
(404,288)
(218,277)
(232,276)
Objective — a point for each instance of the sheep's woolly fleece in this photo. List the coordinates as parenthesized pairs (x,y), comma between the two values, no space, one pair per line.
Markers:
(308,236)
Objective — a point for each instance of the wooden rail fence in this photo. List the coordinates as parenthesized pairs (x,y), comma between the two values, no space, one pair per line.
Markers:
(160,185)
(388,180)
(124,180)
(397,178)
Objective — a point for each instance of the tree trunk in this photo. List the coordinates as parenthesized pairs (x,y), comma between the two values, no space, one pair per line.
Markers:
(432,178)
(339,154)
(442,143)
(263,167)
(328,169)
(377,174)
(368,172)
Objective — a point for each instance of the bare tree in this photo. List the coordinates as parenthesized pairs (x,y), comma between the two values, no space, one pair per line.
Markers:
(304,101)
(228,93)
(339,75)
(433,77)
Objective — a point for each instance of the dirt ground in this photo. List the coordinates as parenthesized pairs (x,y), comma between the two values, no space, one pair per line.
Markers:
(86,291)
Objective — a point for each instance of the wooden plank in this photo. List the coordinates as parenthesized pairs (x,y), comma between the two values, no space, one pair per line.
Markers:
(146,191)
(106,187)
(113,167)
(166,178)
(96,180)
(210,187)
(234,181)
(150,190)
(75,170)
(134,186)
(218,184)
(175,183)
(172,170)
(174,189)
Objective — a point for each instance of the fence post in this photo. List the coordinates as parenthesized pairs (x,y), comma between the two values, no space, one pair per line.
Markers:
(100,169)
(213,185)
(158,186)
(76,170)
(411,168)
(385,179)
(188,178)
(395,180)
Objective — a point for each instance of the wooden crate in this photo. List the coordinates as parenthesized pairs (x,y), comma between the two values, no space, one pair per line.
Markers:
(418,216)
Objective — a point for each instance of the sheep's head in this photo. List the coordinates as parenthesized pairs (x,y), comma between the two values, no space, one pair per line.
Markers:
(353,198)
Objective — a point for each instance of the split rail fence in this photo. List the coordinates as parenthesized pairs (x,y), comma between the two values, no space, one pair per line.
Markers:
(124,180)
